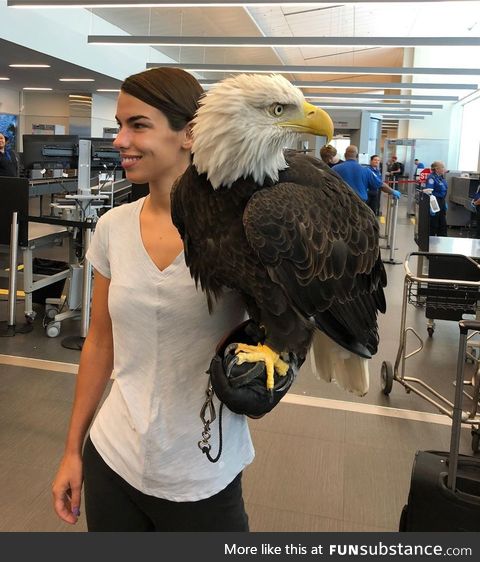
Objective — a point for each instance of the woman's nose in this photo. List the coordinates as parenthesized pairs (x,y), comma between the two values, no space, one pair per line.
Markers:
(121,140)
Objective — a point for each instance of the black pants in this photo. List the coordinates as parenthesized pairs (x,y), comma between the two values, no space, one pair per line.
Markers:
(373,201)
(438,222)
(111,504)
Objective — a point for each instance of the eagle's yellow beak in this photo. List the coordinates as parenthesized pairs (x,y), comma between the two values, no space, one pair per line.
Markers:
(314,121)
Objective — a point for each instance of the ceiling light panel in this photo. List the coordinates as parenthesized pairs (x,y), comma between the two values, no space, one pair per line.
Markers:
(29,65)
(297,69)
(384,105)
(163,3)
(76,79)
(370,85)
(382,97)
(35,89)
(198,41)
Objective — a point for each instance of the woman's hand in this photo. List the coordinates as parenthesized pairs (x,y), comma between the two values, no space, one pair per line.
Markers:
(67,487)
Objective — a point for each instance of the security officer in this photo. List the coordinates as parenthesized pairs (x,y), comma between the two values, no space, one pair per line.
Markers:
(437,182)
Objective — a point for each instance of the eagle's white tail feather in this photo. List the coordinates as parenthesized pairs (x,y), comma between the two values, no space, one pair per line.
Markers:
(331,362)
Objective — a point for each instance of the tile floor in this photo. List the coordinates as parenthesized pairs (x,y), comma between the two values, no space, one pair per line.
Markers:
(320,467)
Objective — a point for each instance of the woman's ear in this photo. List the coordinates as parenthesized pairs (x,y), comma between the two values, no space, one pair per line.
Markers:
(188,140)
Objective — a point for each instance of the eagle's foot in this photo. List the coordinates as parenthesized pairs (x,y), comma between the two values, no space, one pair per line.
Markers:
(254,353)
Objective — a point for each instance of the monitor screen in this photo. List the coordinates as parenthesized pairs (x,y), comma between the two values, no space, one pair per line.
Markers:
(50,151)
(104,154)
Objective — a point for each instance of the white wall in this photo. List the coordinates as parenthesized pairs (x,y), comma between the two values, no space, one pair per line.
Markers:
(9,100)
(103,113)
(469,157)
(445,123)
(39,107)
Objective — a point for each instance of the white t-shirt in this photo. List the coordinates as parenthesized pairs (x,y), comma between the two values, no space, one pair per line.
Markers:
(149,426)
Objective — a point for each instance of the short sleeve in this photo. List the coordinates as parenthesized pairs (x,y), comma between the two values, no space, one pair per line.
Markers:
(97,253)
(373,180)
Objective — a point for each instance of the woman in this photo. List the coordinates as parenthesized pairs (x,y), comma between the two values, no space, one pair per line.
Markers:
(437,182)
(141,465)
(8,159)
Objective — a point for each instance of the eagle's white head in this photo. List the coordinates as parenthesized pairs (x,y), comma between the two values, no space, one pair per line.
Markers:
(244,123)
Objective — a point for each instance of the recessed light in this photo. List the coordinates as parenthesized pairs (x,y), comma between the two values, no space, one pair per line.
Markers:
(76,79)
(29,65)
(38,89)
(4,78)
(108,90)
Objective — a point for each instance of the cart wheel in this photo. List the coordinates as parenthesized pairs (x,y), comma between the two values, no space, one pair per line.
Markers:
(53,329)
(475,440)
(30,317)
(430,331)
(386,377)
(51,311)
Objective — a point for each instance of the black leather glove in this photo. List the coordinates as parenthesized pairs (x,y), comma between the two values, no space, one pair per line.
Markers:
(242,388)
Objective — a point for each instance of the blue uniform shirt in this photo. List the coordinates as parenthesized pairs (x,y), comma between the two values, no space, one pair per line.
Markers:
(438,184)
(359,178)
(377,173)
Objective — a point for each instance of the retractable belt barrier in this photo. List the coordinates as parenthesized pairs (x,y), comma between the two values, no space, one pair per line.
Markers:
(391,229)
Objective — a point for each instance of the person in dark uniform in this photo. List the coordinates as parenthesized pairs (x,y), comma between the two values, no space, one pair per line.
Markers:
(8,159)
(373,200)
(437,182)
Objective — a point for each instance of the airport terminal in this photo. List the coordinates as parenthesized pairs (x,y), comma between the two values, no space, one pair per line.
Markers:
(403,101)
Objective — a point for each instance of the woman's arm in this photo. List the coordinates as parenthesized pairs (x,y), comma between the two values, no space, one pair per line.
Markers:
(96,364)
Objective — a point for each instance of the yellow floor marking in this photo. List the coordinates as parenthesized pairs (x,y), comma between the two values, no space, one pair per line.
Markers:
(5,292)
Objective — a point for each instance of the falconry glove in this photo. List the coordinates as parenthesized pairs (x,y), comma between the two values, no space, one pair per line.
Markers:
(242,388)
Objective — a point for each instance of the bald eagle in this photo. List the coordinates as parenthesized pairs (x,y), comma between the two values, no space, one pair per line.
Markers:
(282,229)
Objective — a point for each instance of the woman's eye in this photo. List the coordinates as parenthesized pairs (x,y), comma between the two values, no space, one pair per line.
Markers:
(277,109)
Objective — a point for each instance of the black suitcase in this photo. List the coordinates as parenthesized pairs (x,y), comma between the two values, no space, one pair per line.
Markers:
(445,486)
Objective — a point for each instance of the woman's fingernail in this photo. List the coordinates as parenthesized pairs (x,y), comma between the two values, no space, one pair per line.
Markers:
(76,511)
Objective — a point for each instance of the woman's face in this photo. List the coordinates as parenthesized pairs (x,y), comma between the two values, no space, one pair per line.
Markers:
(149,148)
(375,162)
(3,142)
(440,170)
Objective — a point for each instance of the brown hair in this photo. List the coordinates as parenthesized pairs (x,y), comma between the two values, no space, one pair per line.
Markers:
(171,90)
(328,152)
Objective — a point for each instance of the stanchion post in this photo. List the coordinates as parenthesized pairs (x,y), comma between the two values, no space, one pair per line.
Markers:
(393,232)
(87,284)
(12,277)
(10,328)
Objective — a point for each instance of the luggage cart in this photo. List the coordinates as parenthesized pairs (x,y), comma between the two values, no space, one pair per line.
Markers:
(442,298)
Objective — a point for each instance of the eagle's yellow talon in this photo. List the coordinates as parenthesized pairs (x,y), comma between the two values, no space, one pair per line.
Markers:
(255,353)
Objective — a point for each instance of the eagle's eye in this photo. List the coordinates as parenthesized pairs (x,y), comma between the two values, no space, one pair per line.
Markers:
(277,109)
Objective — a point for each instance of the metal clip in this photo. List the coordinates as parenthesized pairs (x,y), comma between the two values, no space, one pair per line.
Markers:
(211,408)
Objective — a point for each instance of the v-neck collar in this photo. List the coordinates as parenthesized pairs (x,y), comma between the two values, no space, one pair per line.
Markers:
(152,266)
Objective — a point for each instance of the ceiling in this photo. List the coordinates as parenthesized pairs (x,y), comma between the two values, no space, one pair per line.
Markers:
(434,19)
(11,53)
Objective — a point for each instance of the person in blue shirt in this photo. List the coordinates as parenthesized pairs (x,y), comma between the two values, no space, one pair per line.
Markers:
(476,207)
(373,200)
(361,178)
(437,182)
(419,166)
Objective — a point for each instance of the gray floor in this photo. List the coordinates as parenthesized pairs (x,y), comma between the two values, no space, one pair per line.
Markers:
(317,468)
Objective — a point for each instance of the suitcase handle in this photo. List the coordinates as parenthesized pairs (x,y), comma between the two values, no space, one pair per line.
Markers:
(464,326)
